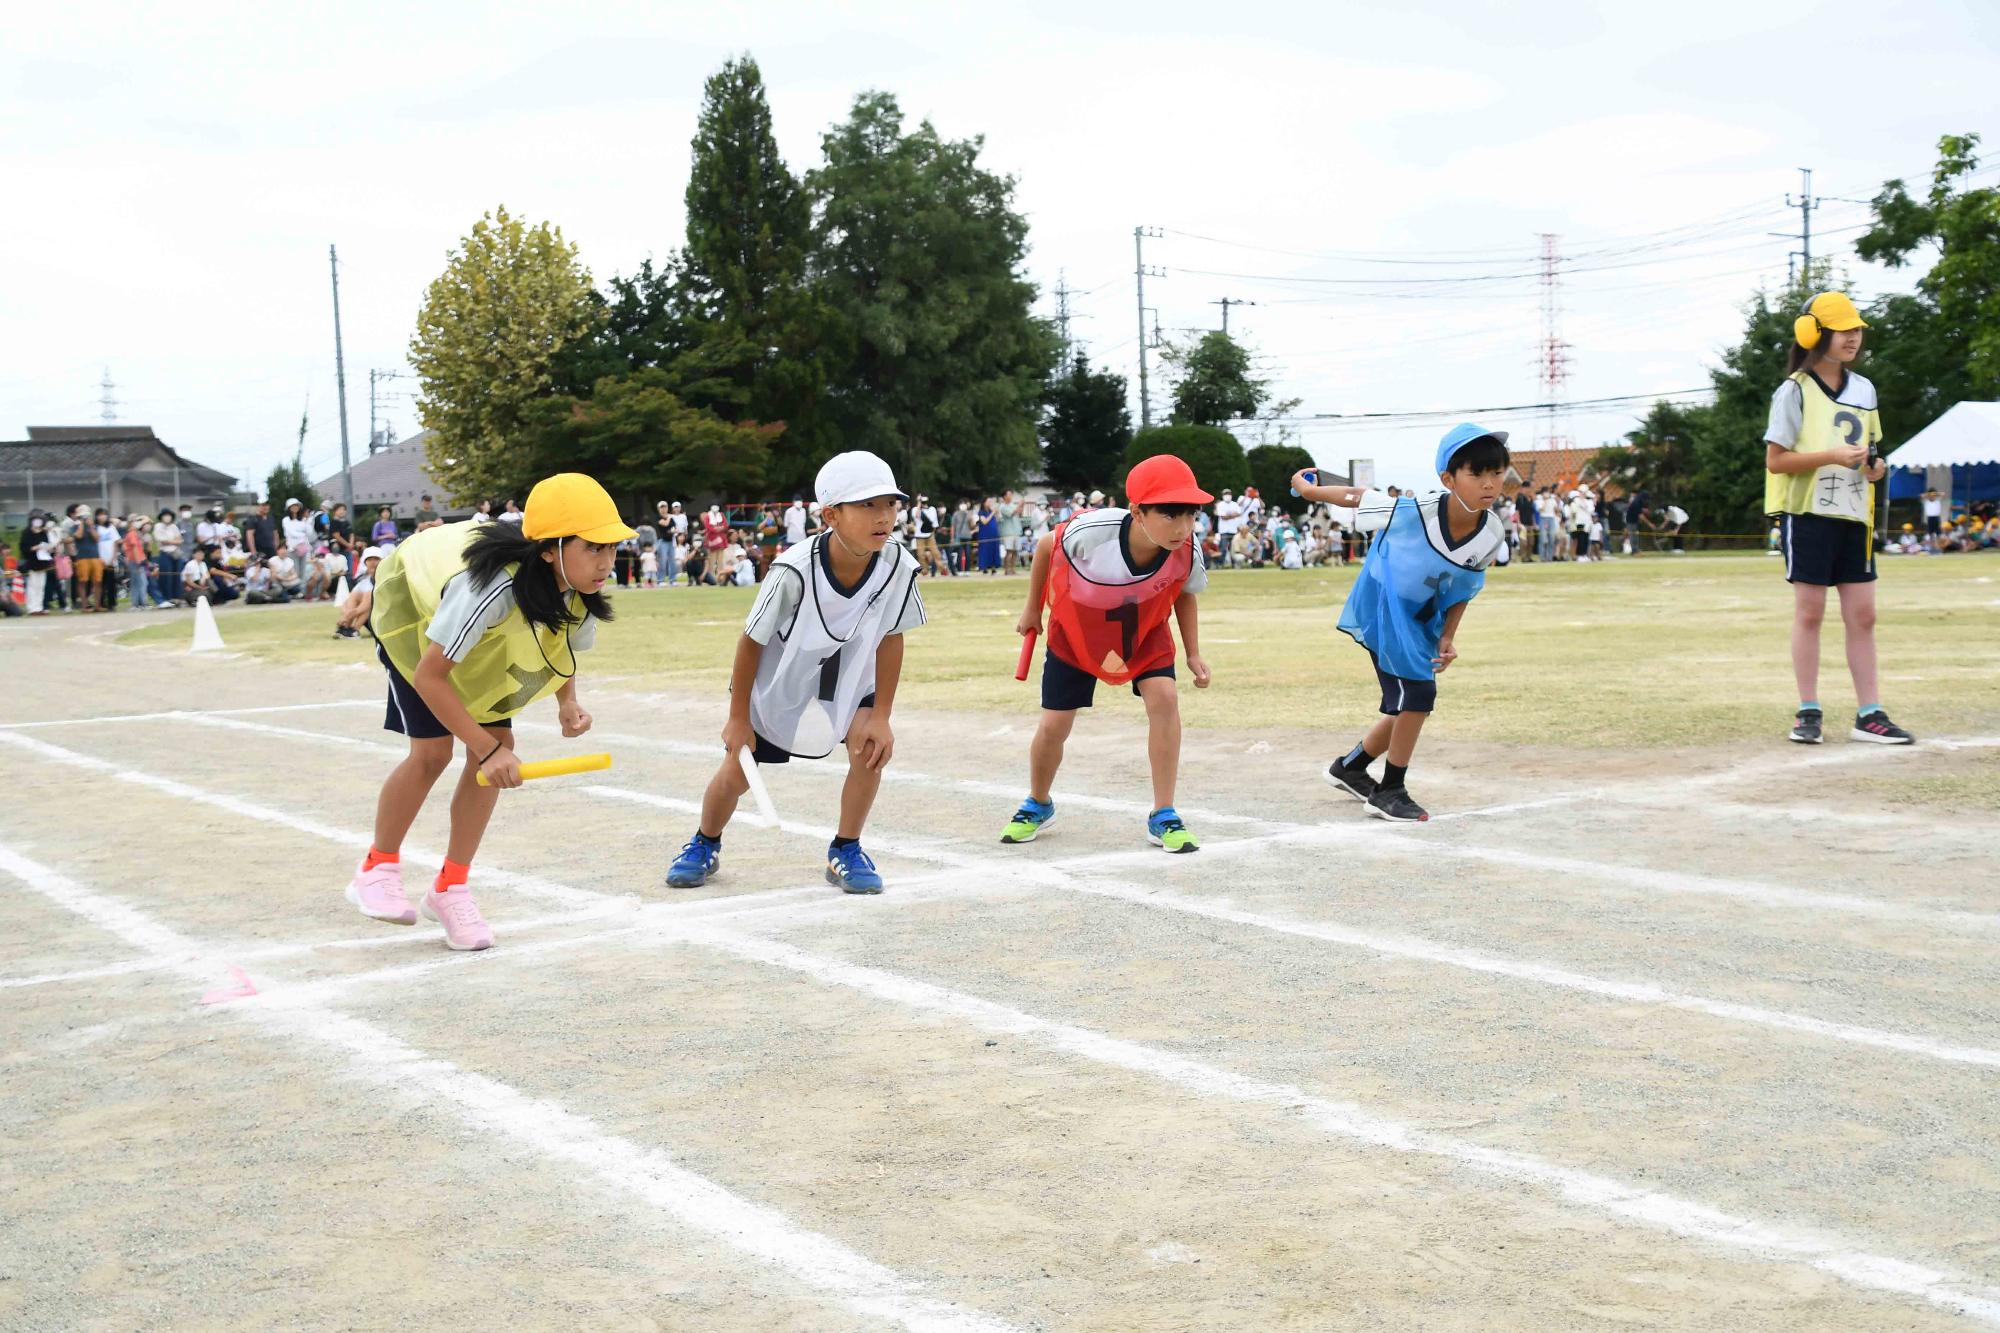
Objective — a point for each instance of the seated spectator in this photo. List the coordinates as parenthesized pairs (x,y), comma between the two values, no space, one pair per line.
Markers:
(257,584)
(195,581)
(360,601)
(284,571)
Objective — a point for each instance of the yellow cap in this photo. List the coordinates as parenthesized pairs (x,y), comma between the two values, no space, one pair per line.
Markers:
(570,504)
(1828,311)
(1909,527)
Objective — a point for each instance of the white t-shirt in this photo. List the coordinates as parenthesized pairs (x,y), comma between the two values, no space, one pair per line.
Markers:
(1228,514)
(468,610)
(195,570)
(795,525)
(1934,508)
(283,569)
(106,538)
(1099,545)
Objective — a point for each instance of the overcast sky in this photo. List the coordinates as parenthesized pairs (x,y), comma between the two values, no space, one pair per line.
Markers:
(175,173)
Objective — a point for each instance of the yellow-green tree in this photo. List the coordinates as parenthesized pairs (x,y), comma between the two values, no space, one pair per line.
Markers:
(511,296)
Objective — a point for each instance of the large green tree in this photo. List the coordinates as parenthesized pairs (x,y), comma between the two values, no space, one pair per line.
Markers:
(761,327)
(1958,338)
(1658,456)
(1213,381)
(638,437)
(1271,469)
(918,252)
(1087,428)
(511,297)
(287,481)
(1213,453)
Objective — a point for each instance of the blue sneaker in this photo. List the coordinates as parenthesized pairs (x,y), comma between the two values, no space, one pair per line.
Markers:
(698,860)
(1030,819)
(1164,829)
(850,868)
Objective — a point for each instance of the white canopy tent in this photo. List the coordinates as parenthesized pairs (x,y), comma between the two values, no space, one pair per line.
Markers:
(1966,433)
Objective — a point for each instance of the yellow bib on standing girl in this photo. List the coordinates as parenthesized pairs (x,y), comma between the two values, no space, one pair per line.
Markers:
(474,622)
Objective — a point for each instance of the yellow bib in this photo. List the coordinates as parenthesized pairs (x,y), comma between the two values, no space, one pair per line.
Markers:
(1830,492)
(511,666)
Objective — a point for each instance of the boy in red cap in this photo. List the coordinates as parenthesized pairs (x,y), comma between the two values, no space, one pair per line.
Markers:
(1110,578)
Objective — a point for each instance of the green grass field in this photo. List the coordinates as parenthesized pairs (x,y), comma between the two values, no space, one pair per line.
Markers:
(1651,653)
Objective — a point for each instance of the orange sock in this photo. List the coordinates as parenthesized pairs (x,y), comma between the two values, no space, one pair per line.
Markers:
(452,876)
(376,858)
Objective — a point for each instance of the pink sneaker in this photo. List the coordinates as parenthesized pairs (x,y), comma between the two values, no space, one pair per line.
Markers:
(454,909)
(379,893)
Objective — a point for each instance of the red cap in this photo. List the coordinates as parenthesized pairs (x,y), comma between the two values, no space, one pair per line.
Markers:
(1163,480)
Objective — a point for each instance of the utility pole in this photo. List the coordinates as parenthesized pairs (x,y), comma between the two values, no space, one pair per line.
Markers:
(1225,303)
(1139,235)
(1801,271)
(340,387)
(377,433)
(1555,356)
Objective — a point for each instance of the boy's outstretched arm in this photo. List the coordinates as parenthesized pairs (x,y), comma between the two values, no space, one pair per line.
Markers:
(1038,587)
(1346,497)
(1447,651)
(1187,616)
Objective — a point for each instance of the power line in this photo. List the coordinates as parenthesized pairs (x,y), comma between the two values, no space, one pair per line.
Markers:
(1611,401)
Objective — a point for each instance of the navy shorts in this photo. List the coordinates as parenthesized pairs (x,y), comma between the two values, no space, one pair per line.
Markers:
(1400,694)
(1066,687)
(766,753)
(1825,552)
(409,715)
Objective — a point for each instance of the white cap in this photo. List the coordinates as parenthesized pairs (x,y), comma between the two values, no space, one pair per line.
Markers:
(1097,497)
(855,475)
(372,553)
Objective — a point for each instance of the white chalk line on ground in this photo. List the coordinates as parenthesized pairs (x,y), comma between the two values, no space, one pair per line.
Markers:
(1062,875)
(648,1174)
(1356,835)
(1600,1193)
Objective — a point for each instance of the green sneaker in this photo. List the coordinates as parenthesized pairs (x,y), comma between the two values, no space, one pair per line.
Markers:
(1164,829)
(1030,819)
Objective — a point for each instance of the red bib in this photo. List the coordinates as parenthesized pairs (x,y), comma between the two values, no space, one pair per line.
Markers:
(1115,631)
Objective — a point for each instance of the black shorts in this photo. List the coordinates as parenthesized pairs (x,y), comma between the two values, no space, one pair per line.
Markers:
(1401,694)
(409,715)
(766,753)
(1825,552)
(1065,687)
(1932,524)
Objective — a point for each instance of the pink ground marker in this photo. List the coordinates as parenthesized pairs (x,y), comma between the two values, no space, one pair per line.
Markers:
(224,994)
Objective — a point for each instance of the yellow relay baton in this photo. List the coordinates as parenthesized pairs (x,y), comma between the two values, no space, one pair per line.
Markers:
(556,768)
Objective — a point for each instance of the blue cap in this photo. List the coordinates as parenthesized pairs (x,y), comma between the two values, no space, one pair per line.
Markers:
(1464,433)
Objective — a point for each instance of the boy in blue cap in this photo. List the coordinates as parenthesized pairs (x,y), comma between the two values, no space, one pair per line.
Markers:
(1426,563)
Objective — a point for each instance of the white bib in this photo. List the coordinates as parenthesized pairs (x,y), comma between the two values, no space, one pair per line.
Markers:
(814,674)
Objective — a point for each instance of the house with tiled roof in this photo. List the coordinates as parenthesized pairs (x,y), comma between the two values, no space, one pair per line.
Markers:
(1560,468)
(397,475)
(126,469)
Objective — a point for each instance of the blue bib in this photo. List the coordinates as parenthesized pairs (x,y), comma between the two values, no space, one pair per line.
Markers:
(1412,577)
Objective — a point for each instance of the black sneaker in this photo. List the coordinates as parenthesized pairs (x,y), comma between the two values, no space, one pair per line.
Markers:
(1877,727)
(1805,727)
(1354,781)
(1395,803)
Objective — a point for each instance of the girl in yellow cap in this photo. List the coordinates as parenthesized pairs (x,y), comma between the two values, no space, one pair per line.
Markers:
(1821,469)
(474,622)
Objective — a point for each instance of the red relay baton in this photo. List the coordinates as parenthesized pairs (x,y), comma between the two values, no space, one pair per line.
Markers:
(1027,654)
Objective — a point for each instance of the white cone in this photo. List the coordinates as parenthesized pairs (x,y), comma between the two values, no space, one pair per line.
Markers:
(207,638)
(340,593)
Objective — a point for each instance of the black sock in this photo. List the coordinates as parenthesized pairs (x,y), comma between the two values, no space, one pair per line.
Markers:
(1358,758)
(1394,774)
(716,839)
(845,842)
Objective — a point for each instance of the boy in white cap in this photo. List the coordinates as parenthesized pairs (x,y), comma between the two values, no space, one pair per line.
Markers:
(818,664)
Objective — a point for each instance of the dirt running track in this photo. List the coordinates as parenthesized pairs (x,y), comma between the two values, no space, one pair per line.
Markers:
(1643,1052)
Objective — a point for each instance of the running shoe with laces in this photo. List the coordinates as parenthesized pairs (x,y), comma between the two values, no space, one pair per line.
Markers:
(699,859)
(1030,819)
(1805,727)
(379,894)
(1354,781)
(1395,803)
(850,868)
(1164,829)
(1875,726)
(464,928)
